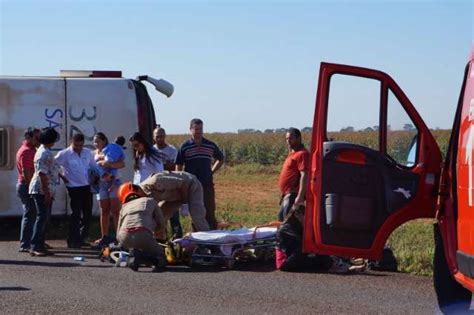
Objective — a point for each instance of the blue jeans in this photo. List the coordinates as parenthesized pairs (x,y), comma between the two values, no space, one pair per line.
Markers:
(42,216)
(286,203)
(29,215)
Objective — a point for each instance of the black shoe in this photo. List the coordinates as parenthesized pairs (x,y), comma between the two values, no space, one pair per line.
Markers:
(24,250)
(131,263)
(159,264)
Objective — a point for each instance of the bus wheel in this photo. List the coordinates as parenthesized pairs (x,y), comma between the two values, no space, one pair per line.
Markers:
(452,297)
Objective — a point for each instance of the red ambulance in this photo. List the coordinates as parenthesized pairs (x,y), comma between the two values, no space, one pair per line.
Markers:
(359,193)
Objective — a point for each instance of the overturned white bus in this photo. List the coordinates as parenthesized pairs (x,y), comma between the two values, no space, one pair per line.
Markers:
(75,102)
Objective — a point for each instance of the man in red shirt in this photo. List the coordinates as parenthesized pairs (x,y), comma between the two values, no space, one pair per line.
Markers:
(25,167)
(294,174)
(293,183)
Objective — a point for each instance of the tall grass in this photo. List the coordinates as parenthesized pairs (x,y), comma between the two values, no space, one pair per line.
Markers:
(413,245)
(270,148)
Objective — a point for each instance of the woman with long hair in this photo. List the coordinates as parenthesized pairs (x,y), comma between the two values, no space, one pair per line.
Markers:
(148,160)
(109,157)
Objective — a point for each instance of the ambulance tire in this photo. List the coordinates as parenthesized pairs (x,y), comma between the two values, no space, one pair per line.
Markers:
(452,296)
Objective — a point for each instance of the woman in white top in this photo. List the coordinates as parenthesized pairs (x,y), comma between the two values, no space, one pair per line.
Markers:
(147,158)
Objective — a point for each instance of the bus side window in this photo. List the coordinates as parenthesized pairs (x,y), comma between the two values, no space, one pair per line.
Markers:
(6,152)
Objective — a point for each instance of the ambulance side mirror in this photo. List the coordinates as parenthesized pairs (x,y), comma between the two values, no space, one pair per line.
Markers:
(160,85)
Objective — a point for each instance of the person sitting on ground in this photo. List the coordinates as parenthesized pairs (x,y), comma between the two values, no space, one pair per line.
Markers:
(289,250)
(173,189)
(139,218)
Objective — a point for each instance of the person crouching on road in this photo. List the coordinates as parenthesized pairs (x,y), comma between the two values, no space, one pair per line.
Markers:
(173,189)
(139,218)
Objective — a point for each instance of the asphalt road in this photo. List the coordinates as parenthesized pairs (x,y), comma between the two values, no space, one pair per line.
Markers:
(59,284)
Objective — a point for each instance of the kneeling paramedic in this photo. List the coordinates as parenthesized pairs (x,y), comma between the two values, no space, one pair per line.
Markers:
(139,218)
(173,189)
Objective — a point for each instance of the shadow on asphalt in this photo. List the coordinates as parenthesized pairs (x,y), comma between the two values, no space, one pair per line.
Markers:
(75,251)
(239,266)
(68,253)
(56,230)
(37,263)
(14,289)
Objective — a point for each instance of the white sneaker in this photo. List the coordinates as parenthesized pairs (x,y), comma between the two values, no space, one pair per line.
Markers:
(339,266)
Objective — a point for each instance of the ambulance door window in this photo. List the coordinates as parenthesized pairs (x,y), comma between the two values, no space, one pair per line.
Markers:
(353,110)
(401,133)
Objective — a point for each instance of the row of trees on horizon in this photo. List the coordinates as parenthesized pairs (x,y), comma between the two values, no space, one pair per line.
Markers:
(406,127)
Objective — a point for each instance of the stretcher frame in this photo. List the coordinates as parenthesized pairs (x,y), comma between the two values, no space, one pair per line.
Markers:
(213,253)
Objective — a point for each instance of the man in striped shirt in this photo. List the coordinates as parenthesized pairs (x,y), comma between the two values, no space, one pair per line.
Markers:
(25,167)
(202,158)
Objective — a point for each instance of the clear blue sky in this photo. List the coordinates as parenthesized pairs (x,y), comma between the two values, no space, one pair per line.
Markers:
(245,64)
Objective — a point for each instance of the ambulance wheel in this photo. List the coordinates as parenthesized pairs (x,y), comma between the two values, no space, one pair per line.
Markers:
(452,297)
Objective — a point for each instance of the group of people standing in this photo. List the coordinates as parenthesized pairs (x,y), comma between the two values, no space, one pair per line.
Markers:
(86,172)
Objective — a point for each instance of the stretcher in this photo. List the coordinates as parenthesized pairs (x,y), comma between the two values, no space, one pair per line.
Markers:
(225,247)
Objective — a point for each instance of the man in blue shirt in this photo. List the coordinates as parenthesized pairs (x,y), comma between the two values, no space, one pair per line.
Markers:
(202,158)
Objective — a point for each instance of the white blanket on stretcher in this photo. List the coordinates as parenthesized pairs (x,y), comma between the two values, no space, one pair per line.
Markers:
(240,236)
